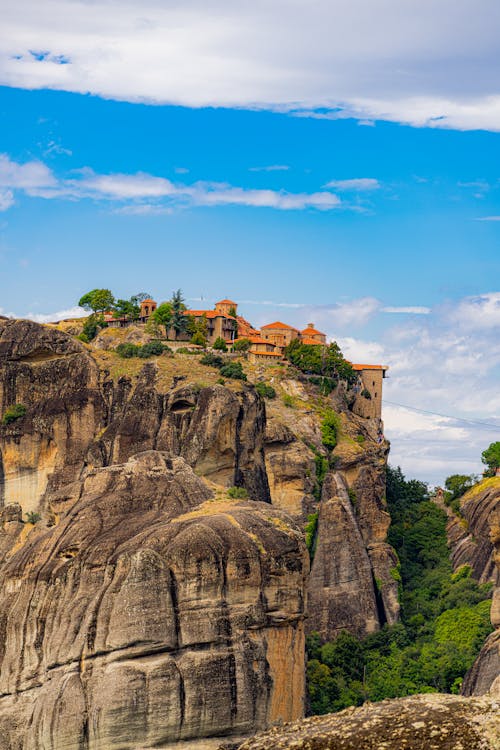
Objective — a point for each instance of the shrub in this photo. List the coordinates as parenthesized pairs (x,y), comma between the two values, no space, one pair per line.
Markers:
(126,351)
(265,390)
(288,401)
(152,349)
(220,344)
(330,428)
(220,381)
(17,411)
(212,360)
(310,533)
(366,394)
(237,493)
(233,370)
(242,345)
(198,339)
(33,517)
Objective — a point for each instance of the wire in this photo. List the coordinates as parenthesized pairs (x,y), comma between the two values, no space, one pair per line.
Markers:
(446,416)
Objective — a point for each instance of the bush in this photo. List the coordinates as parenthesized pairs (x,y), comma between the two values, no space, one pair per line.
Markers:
(366,394)
(13,413)
(310,533)
(237,493)
(265,390)
(288,401)
(220,344)
(330,428)
(33,517)
(212,360)
(233,370)
(198,339)
(242,345)
(126,351)
(152,349)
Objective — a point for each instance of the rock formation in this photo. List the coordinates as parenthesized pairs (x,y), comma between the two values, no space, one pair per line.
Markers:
(146,606)
(433,722)
(475,540)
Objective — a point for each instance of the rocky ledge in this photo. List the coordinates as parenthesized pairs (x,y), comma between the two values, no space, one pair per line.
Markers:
(420,722)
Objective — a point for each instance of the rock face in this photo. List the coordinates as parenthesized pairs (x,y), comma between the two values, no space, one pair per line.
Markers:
(433,722)
(152,611)
(353,582)
(146,607)
(475,540)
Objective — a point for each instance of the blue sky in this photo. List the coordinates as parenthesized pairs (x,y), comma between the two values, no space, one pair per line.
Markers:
(354,184)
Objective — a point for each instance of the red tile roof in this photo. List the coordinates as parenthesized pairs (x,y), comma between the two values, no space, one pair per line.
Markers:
(368,367)
(280,325)
(226,302)
(208,314)
(311,332)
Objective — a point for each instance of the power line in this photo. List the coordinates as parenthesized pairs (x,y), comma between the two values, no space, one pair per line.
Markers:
(446,416)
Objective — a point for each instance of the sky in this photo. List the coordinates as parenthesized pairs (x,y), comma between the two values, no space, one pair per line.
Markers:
(328,162)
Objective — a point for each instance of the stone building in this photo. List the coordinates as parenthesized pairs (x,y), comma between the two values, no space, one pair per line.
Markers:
(148,306)
(311,335)
(279,334)
(371,377)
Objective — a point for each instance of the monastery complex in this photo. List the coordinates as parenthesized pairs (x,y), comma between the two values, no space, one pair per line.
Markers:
(268,344)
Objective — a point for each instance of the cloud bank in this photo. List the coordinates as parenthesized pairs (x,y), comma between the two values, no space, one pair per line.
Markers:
(424,62)
(146,194)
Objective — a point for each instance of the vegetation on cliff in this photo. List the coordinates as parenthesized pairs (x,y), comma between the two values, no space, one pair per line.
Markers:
(445,617)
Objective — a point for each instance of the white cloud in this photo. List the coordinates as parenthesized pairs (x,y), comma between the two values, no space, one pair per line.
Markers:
(488,218)
(479,312)
(355,184)
(71,312)
(418,62)
(409,309)
(270,168)
(36,180)
(6,199)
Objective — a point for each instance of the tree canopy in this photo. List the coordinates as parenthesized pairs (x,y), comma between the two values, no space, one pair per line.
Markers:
(491,456)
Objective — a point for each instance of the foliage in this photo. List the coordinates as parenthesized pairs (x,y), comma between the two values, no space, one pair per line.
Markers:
(33,517)
(233,370)
(237,493)
(212,360)
(97,300)
(220,344)
(179,321)
(320,360)
(198,339)
(288,400)
(366,394)
(151,349)
(330,428)
(491,456)
(163,316)
(12,413)
(326,385)
(457,485)
(445,617)
(265,390)
(242,345)
(310,532)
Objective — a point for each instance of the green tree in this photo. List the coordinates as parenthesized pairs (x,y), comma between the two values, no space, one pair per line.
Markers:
(220,344)
(163,316)
(458,484)
(242,345)
(97,300)
(491,456)
(198,339)
(179,319)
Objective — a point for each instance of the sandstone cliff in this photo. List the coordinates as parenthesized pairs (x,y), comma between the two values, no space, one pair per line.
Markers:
(146,606)
(475,540)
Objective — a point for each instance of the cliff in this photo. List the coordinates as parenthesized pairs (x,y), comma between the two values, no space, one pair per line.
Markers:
(475,540)
(143,604)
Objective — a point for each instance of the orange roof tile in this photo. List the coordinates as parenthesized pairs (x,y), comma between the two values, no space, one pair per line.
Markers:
(311,332)
(368,367)
(279,324)
(208,314)
(226,302)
